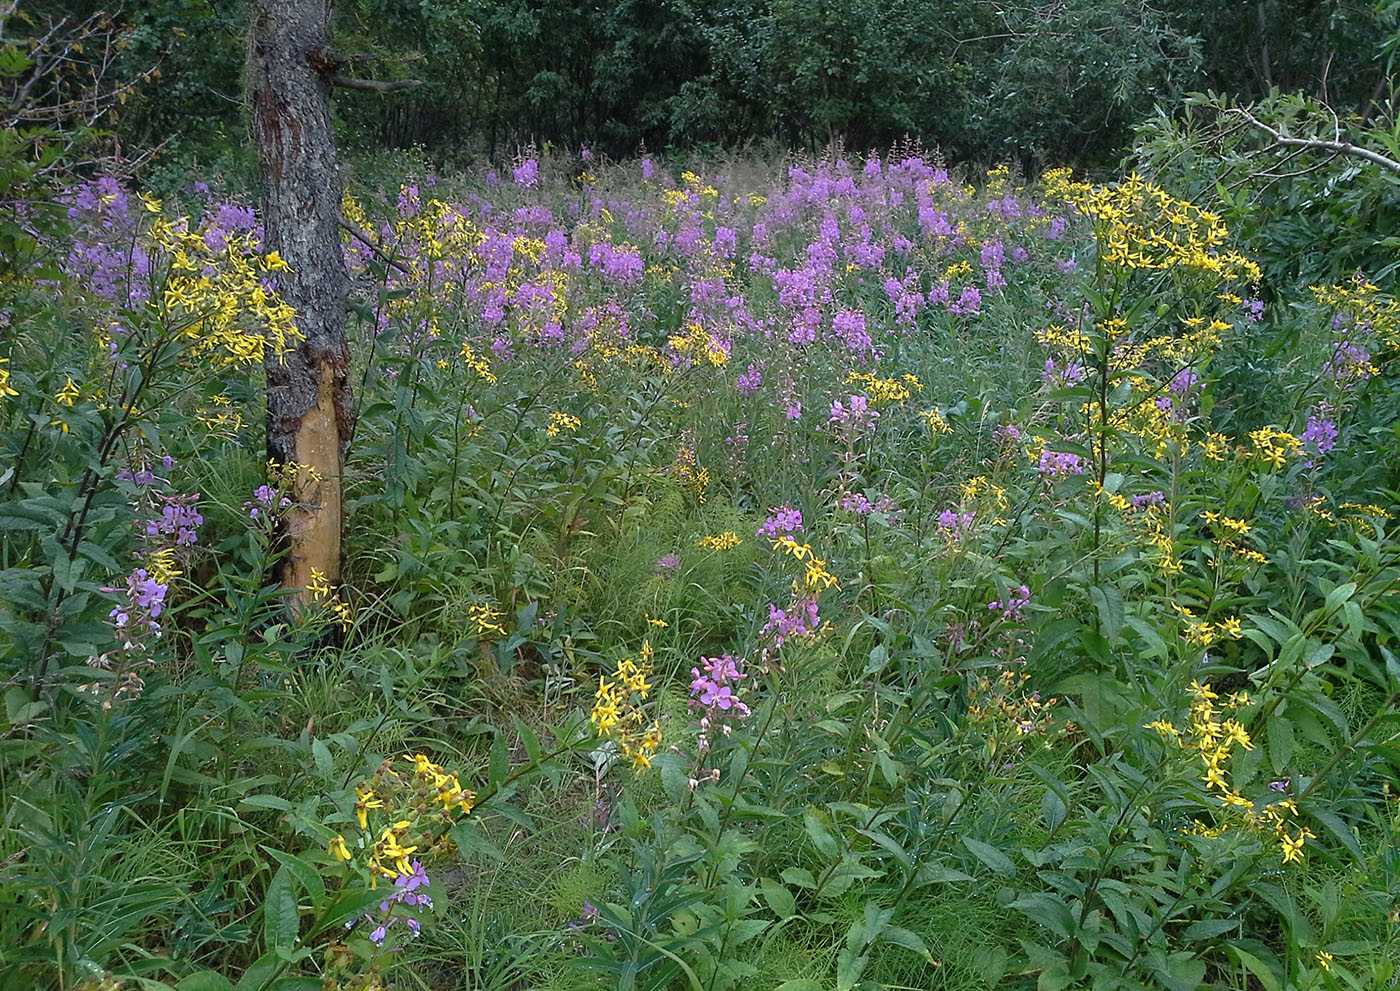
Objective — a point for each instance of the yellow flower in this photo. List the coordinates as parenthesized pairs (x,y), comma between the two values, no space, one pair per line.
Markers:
(365,801)
(1214,779)
(723,542)
(318,586)
(67,394)
(338,849)
(486,619)
(1324,960)
(561,422)
(1292,848)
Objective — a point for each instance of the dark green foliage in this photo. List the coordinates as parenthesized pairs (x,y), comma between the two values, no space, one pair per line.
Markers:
(1038,82)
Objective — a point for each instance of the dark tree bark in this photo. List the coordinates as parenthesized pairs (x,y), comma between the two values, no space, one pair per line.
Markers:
(291,67)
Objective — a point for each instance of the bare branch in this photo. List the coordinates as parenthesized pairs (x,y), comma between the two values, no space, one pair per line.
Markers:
(1318,144)
(374,85)
(364,239)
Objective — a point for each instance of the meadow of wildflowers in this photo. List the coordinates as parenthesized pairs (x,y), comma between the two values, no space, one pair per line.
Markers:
(825,574)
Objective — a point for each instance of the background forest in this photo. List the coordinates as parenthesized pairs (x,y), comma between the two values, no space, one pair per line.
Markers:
(1060,82)
(896,494)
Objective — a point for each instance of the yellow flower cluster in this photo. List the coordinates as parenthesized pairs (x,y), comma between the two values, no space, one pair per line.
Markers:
(160,564)
(721,542)
(1213,740)
(5,388)
(687,469)
(224,418)
(287,475)
(561,422)
(1365,304)
(617,709)
(1007,710)
(487,620)
(985,499)
(699,344)
(219,298)
(880,391)
(476,362)
(419,799)
(936,422)
(1226,531)
(1206,633)
(321,590)
(815,578)
(1140,226)
(1150,523)
(1274,447)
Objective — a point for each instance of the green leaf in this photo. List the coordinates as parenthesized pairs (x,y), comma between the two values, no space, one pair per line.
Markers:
(1334,825)
(1109,603)
(259,973)
(1052,807)
(745,930)
(281,922)
(325,763)
(500,761)
(1263,972)
(346,907)
(800,877)
(900,936)
(1209,928)
(821,837)
(308,876)
(801,984)
(849,967)
(266,802)
(779,898)
(1054,978)
(1048,910)
(469,839)
(940,874)
(204,980)
(529,738)
(999,862)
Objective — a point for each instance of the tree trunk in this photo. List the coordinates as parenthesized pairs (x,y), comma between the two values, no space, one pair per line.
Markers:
(308,390)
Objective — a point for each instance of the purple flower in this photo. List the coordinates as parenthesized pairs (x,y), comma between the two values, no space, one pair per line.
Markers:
(953,524)
(858,416)
(1059,464)
(1146,499)
(1062,376)
(748,383)
(527,173)
(1318,438)
(1016,601)
(712,687)
(969,303)
(668,562)
(799,619)
(781,520)
(1184,381)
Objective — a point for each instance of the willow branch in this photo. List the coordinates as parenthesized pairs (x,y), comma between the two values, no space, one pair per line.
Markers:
(1319,144)
(374,85)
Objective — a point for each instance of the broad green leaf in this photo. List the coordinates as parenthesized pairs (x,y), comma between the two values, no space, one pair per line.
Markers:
(999,862)
(281,922)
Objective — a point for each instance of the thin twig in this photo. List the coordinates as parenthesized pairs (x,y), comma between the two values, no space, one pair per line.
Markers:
(364,239)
